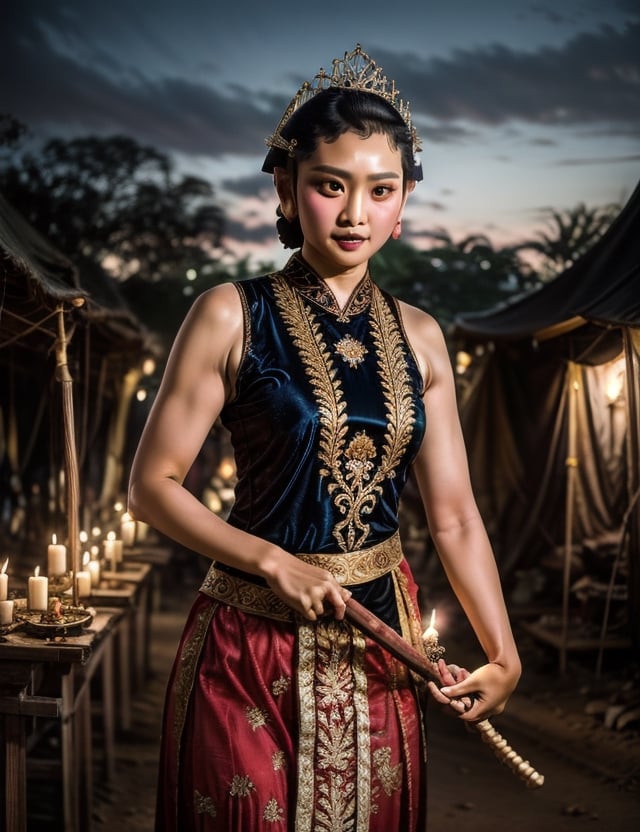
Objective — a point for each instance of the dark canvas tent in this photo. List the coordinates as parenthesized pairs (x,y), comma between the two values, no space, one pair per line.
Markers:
(41,295)
(550,410)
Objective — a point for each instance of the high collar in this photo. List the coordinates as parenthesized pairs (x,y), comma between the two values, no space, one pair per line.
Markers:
(313,288)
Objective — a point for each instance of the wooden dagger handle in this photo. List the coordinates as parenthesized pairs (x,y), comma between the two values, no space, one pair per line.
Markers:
(400,649)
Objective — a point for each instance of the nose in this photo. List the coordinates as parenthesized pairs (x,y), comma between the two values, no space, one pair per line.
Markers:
(354,210)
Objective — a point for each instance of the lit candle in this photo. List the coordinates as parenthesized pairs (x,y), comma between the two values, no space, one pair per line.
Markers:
(110,554)
(56,557)
(430,635)
(4,581)
(93,568)
(83,583)
(38,591)
(6,612)
(127,529)
(118,550)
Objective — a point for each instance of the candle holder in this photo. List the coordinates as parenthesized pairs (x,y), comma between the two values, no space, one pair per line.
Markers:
(60,619)
(60,583)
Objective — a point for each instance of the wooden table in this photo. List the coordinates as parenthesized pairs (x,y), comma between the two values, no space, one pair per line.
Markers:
(156,555)
(130,588)
(52,679)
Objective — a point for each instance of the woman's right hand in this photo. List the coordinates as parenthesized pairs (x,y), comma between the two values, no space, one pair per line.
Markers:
(308,589)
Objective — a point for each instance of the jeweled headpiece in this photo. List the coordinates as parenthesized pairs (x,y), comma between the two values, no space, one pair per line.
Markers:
(356,71)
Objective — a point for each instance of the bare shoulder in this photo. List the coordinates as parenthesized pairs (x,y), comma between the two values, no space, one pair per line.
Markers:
(219,305)
(427,342)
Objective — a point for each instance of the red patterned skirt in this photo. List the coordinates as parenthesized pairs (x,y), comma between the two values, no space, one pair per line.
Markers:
(289,726)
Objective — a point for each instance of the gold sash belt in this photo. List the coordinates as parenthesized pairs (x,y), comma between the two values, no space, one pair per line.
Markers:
(352,568)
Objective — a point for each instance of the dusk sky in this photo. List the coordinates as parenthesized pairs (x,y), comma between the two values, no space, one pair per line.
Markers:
(520,105)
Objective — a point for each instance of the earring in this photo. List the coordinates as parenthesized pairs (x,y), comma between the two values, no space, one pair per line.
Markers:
(397,231)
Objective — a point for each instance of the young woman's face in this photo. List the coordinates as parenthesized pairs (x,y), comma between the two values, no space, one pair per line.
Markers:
(349,198)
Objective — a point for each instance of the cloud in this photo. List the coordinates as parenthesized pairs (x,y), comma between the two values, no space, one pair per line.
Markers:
(55,89)
(594,77)
(59,82)
(600,160)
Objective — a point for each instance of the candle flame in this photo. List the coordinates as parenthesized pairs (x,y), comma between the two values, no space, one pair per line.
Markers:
(37,571)
(86,557)
(83,537)
(54,539)
(4,566)
(126,517)
(431,632)
(111,535)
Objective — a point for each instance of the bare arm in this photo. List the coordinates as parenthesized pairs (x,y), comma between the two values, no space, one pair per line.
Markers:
(199,378)
(458,532)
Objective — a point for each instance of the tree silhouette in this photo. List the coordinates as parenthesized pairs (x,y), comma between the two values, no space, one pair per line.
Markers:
(569,235)
(116,203)
(452,277)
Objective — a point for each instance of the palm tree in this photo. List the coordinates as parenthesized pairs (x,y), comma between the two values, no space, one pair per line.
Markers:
(569,235)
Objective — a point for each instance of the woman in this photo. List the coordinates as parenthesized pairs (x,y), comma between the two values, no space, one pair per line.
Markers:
(281,715)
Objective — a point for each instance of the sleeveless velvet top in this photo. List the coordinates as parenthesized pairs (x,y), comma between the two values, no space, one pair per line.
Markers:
(327,416)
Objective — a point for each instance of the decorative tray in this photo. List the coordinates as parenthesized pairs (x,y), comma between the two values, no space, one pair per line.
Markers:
(68,621)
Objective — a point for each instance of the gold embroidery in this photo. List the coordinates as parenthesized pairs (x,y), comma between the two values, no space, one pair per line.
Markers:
(334,731)
(352,351)
(244,595)
(186,672)
(273,813)
(241,786)
(355,567)
(300,275)
(256,717)
(278,760)
(203,805)
(280,685)
(389,775)
(356,493)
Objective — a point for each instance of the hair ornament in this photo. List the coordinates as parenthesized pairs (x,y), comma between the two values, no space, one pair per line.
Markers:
(356,71)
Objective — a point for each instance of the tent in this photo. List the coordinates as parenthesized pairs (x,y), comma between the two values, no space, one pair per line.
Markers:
(69,363)
(550,405)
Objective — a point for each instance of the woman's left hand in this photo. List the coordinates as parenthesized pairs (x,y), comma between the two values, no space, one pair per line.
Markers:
(473,696)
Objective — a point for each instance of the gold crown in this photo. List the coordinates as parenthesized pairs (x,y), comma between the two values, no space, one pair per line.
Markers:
(356,71)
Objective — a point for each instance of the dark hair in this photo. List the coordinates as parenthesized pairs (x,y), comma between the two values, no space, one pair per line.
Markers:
(326,117)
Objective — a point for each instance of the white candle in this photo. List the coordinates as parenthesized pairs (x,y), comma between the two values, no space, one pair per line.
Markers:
(56,557)
(113,550)
(83,583)
(4,581)
(6,612)
(109,549)
(93,568)
(127,529)
(38,591)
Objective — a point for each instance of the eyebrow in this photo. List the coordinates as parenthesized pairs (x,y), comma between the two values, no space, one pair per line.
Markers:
(345,174)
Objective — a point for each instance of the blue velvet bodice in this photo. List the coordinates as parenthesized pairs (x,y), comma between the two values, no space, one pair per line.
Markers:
(327,415)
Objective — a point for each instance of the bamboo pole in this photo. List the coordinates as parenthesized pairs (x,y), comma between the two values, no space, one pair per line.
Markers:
(70,453)
(571,463)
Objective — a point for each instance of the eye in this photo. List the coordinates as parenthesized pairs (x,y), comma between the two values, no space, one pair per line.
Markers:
(330,187)
(381,191)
